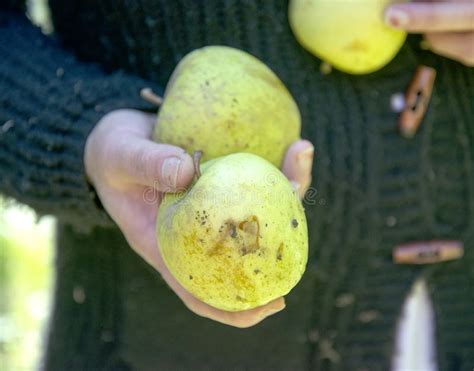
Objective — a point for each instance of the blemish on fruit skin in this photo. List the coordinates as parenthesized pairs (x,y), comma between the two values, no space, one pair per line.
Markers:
(250,233)
(190,277)
(217,249)
(233,230)
(294,223)
(280,251)
(250,226)
(256,271)
(244,235)
(356,46)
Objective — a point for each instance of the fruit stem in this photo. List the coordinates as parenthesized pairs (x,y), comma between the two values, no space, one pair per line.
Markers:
(197,161)
(148,95)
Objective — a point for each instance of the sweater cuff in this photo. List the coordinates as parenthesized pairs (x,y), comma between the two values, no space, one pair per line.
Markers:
(48,107)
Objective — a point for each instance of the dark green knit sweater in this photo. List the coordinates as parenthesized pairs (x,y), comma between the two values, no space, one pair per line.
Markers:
(375,190)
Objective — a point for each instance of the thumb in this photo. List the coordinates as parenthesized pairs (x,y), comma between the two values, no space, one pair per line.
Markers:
(164,167)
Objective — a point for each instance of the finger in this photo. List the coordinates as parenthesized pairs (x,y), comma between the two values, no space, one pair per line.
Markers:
(426,17)
(298,164)
(128,121)
(248,318)
(241,319)
(457,46)
(165,167)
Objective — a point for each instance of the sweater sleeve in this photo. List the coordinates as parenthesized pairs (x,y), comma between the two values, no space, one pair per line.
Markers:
(49,103)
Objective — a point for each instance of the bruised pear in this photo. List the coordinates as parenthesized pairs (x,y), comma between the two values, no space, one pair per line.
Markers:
(237,238)
(221,100)
(349,35)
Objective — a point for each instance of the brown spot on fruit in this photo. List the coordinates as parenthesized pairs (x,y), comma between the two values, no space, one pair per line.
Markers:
(294,223)
(232,230)
(192,243)
(238,236)
(249,235)
(250,226)
(217,249)
(280,251)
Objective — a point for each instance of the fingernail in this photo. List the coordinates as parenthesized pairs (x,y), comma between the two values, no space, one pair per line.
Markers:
(305,159)
(170,170)
(396,18)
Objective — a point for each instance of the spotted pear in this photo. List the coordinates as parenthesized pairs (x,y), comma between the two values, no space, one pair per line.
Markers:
(222,100)
(237,238)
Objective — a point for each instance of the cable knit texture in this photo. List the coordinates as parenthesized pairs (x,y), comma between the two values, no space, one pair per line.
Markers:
(48,105)
(374,191)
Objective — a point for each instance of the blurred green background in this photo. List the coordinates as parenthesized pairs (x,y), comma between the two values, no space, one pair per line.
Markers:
(26,268)
(26,280)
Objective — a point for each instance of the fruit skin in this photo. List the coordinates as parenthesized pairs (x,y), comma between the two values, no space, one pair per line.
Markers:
(237,238)
(221,100)
(350,34)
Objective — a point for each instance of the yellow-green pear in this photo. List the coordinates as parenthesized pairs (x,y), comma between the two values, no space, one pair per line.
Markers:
(221,100)
(237,238)
(348,34)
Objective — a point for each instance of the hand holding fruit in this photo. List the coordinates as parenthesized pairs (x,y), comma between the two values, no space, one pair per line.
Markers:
(123,163)
(448,25)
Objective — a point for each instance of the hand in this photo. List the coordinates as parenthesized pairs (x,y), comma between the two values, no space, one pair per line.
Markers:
(123,164)
(448,26)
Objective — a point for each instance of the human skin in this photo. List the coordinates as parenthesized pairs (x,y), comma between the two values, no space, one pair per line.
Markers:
(447,26)
(125,167)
